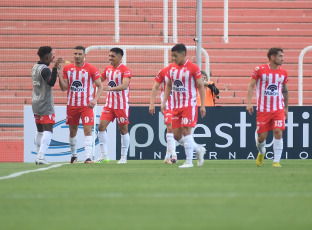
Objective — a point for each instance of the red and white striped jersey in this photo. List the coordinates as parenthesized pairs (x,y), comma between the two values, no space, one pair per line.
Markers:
(184,89)
(269,87)
(80,83)
(162,78)
(114,76)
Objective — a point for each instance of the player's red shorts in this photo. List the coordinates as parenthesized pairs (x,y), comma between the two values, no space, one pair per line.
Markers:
(184,117)
(45,119)
(267,121)
(122,115)
(168,117)
(74,113)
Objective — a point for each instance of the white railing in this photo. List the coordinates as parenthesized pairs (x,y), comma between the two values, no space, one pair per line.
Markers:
(152,47)
(226,22)
(300,74)
(116,20)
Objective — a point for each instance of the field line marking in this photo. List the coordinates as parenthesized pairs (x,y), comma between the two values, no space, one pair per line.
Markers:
(17,174)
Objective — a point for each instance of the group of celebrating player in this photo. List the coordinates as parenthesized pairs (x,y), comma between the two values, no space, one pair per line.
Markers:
(180,83)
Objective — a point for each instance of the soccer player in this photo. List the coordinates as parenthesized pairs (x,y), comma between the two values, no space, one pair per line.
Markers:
(272,103)
(42,100)
(161,80)
(184,79)
(79,79)
(117,104)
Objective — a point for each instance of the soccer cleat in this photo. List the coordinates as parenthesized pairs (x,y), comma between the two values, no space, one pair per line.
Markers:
(123,160)
(186,165)
(73,160)
(276,165)
(41,162)
(88,161)
(174,159)
(167,160)
(200,156)
(260,158)
(102,159)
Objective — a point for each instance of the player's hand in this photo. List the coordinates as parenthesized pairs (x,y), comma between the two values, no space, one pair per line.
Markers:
(106,88)
(286,112)
(250,109)
(202,111)
(151,109)
(58,62)
(92,104)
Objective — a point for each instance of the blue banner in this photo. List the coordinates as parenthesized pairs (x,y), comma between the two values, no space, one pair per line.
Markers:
(225,132)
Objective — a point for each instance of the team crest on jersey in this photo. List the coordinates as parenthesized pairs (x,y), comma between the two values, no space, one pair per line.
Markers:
(178,86)
(271,91)
(257,68)
(76,86)
(112,84)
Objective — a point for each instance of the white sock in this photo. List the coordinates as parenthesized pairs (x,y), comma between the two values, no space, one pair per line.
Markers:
(38,141)
(181,141)
(88,146)
(278,149)
(103,142)
(170,144)
(261,146)
(189,148)
(196,146)
(44,145)
(73,146)
(125,142)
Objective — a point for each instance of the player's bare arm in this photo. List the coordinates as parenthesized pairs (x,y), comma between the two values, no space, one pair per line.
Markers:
(166,95)
(99,91)
(250,89)
(153,96)
(201,89)
(63,83)
(285,95)
(123,86)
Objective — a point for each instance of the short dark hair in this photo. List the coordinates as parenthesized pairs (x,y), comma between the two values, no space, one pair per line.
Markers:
(44,50)
(274,51)
(203,73)
(80,48)
(117,51)
(179,48)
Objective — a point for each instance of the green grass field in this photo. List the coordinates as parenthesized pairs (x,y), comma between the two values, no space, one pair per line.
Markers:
(150,195)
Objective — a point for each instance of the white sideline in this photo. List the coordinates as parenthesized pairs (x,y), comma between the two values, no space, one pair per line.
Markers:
(17,174)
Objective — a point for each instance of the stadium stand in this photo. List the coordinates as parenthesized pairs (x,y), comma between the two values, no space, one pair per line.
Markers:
(254,27)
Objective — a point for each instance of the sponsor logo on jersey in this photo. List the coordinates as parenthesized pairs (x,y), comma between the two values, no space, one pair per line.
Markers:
(112,84)
(271,91)
(36,82)
(178,86)
(76,86)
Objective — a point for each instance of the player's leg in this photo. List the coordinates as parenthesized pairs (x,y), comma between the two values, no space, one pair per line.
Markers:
(125,142)
(47,122)
(107,116)
(188,146)
(87,118)
(73,129)
(278,125)
(263,126)
(171,156)
(102,134)
(38,137)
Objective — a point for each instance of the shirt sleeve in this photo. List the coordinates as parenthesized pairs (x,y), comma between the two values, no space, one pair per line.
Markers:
(65,73)
(126,73)
(255,73)
(286,78)
(160,77)
(48,76)
(95,74)
(197,73)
